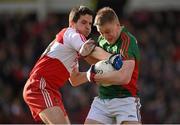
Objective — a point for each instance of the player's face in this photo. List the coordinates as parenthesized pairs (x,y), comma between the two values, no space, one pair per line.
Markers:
(84,24)
(110,31)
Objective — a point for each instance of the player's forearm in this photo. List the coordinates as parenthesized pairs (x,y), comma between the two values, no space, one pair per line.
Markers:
(78,79)
(91,60)
(113,78)
(120,77)
(100,54)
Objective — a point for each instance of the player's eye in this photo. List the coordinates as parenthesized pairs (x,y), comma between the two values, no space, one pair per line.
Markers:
(107,32)
(83,22)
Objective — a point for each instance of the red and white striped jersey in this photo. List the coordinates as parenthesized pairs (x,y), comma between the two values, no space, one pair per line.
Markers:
(61,55)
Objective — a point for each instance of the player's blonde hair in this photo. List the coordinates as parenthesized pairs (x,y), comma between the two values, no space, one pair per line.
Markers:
(105,15)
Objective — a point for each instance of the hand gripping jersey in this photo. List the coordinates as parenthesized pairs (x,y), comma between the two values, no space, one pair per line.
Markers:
(55,64)
(127,46)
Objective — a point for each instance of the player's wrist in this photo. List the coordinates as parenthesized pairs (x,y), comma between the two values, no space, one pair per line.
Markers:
(87,48)
(90,74)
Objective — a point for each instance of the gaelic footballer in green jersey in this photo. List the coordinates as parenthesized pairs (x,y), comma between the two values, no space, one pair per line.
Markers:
(126,45)
(119,102)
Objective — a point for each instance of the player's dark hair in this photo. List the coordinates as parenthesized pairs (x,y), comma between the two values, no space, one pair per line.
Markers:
(76,12)
(105,15)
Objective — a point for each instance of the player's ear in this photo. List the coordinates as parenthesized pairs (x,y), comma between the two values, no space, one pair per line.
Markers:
(118,24)
(71,23)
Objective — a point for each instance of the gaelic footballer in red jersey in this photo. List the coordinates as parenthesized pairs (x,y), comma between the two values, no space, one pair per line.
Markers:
(54,67)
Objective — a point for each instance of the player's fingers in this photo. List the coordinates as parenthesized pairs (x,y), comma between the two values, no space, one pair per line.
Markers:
(74,69)
(90,45)
(91,41)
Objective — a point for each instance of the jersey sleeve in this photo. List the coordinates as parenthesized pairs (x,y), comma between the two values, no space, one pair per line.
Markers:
(129,49)
(76,40)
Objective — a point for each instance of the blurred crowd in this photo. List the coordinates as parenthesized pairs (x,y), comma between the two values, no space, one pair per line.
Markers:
(23,39)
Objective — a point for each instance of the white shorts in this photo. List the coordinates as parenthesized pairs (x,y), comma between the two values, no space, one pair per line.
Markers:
(112,111)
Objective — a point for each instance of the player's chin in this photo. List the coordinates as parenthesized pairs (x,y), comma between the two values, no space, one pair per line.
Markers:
(86,33)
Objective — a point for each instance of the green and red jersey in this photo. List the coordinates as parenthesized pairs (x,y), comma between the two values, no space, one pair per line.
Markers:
(127,46)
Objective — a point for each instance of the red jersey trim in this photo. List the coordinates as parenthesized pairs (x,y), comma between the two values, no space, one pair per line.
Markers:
(83,38)
(59,36)
(125,44)
(131,86)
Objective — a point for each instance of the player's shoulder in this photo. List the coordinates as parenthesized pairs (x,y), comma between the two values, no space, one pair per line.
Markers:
(126,36)
(101,38)
(71,32)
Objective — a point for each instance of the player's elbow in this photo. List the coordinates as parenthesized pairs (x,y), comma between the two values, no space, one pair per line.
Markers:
(125,80)
(73,83)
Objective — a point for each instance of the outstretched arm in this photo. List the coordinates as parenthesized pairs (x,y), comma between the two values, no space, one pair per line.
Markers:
(93,53)
(77,78)
(97,55)
(100,54)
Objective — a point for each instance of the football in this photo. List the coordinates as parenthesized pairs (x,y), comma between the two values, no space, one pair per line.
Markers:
(102,67)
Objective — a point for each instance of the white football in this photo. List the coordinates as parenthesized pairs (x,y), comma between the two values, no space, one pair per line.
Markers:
(102,67)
